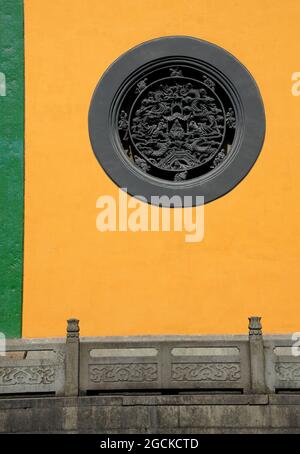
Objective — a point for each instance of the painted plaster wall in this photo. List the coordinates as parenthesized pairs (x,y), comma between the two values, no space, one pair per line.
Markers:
(147,283)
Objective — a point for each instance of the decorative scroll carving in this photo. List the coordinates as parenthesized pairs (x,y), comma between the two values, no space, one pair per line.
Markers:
(30,375)
(175,122)
(206,372)
(288,371)
(123,372)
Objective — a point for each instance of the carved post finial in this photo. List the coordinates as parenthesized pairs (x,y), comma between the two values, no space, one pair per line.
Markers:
(72,358)
(255,326)
(72,328)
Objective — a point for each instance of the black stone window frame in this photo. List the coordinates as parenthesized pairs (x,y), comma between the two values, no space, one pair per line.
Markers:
(132,67)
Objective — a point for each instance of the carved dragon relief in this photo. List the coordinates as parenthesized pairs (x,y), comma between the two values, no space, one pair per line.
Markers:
(175,124)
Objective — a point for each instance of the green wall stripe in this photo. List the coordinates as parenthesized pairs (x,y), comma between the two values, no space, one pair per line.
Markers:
(11,165)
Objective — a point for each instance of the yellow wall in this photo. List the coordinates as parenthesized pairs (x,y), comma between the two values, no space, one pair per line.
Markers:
(136,283)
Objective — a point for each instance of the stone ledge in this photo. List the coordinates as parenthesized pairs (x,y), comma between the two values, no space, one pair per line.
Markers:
(145,400)
(150,400)
(152,414)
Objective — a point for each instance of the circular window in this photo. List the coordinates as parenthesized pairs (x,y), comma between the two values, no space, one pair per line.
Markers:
(177,116)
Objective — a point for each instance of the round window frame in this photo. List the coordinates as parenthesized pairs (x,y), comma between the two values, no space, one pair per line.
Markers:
(250,132)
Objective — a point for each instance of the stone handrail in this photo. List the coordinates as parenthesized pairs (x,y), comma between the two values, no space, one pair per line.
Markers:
(253,364)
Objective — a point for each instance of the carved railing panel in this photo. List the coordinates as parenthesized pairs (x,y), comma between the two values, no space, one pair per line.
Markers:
(119,365)
(282,368)
(33,367)
(188,363)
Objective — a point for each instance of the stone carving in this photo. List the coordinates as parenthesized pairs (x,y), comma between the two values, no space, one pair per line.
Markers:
(141,85)
(206,372)
(230,118)
(73,329)
(123,372)
(209,82)
(141,163)
(175,72)
(30,375)
(218,159)
(180,176)
(175,124)
(177,127)
(123,123)
(255,328)
(288,371)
